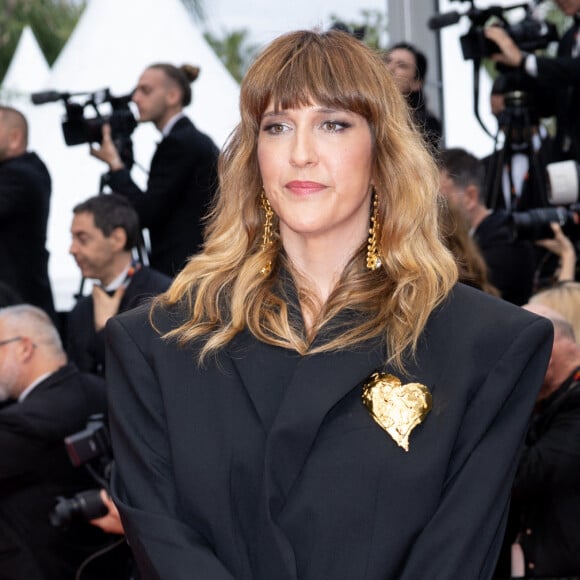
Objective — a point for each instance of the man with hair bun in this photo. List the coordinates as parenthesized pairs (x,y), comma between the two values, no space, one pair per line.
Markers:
(182,175)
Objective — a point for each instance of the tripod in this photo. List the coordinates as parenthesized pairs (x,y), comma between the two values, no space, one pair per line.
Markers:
(515,122)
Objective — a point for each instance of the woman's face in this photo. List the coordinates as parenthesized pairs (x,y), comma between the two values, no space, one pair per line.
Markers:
(316,164)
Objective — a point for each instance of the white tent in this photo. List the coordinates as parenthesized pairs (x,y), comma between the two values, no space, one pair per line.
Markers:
(28,70)
(109,48)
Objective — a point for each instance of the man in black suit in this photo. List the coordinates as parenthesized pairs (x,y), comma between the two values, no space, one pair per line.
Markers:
(25,189)
(105,229)
(546,492)
(559,77)
(49,399)
(182,176)
(511,262)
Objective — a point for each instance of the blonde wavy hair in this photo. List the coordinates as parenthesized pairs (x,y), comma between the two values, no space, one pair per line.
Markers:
(222,288)
(564,298)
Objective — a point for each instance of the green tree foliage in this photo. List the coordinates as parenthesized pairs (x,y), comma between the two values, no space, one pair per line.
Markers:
(237,52)
(371,28)
(234,50)
(52,21)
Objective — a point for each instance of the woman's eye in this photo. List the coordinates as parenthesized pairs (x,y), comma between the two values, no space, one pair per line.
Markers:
(274,128)
(334,126)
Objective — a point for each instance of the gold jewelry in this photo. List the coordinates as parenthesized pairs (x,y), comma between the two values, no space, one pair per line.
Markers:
(267,235)
(374,261)
(398,408)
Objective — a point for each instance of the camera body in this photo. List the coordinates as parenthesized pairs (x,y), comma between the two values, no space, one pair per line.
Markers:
(90,447)
(529,34)
(564,195)
(91,443)
(78,127)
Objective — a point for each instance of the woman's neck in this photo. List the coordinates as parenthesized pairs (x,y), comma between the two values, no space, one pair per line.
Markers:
(320,263)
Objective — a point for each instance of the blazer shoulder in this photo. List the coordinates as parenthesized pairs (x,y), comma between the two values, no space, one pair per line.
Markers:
(147,321)
(478,312)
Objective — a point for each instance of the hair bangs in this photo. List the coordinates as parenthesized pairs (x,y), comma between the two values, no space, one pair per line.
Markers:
(309,68)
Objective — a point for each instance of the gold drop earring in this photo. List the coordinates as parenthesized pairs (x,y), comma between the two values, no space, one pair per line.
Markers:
(374,261)
(267,234)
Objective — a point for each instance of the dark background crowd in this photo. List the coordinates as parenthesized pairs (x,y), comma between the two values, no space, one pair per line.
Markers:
(498,217)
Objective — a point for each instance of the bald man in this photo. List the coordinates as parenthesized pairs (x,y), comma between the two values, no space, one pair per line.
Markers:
(25,189)
(546,494)
(50,400)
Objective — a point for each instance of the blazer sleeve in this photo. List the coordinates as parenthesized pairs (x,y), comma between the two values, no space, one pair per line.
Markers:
(561,72)
(165,546)
(464,535)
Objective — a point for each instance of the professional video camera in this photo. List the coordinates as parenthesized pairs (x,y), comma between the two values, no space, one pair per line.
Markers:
(529,33)
(563,195)
(78,128)
(90,447)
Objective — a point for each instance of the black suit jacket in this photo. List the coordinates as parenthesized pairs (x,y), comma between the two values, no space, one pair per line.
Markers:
(220,488)
(35,469)
(560,78)
(511,262)
(547,487)
(25,188)
(86,346)
(182,181)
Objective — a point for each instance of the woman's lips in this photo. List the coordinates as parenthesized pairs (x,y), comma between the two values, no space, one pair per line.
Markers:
(304,187)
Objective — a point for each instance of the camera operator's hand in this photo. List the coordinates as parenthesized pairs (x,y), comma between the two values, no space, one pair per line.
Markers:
(105,306)
(111,523)
(510,54)
(107,152)
(561,245)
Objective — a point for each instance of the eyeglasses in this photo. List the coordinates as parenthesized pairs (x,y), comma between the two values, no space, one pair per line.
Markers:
(9,340)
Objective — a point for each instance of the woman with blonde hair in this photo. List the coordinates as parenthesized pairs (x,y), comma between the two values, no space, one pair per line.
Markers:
(315,396)
(564,298)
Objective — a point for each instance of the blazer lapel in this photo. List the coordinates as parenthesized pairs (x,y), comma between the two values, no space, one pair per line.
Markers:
(265,372)
(320,381)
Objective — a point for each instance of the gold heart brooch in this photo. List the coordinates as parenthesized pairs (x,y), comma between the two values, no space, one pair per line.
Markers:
(397,408)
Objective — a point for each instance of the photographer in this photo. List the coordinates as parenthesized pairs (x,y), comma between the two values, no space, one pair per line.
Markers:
(48,399)
(559,76)
(182,175)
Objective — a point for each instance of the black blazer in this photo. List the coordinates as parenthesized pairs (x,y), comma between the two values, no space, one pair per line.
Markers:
(35,469)
(182,181)
(560,79)
(25,188)
(511,261)
(86,346)
(211,485)
(546,487)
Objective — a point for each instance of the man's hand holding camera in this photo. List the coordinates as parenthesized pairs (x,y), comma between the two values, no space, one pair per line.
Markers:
(107,151)
(111,523)
(510,54)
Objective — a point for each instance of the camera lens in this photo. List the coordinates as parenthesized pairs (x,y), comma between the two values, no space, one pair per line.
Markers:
(535,223)
(87,505)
